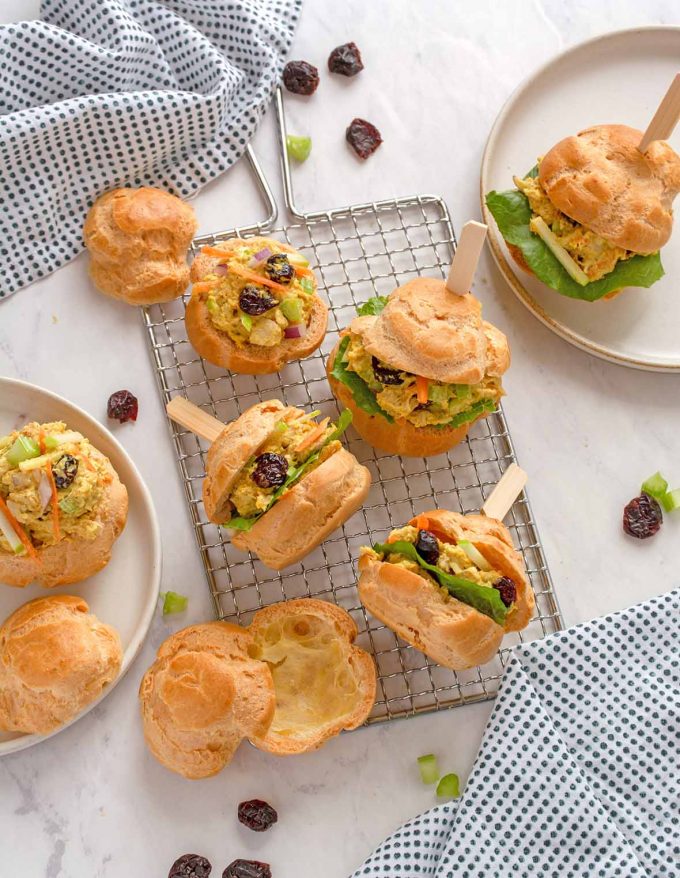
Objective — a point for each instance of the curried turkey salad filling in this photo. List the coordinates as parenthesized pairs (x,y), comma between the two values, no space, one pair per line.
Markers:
(297,446)
(456,568)
(259,293)
(593,254)
(51,484)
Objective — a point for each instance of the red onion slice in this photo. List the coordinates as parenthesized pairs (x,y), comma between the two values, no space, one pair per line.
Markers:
(222,269)
(297,330)
(260,257)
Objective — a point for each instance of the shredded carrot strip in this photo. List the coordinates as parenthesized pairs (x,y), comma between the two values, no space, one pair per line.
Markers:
(55,503)
(203,286)
(256,278)
(18,529)
(41,441)
(215,251)
(311,438)
(303,272)
(422,385)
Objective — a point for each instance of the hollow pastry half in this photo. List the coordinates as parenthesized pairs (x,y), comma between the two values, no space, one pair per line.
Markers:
(449,584)
(324,684)
(138,241)
(62,506)
(254,306)
(55,659)
(282,482)
(591,216)
(288,683)
(202,696)
(418,368)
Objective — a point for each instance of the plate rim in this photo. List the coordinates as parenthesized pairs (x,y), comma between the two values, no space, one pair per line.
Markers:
(516,285)
(141,630)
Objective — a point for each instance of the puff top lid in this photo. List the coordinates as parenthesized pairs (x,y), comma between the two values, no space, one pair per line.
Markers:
(599,178)
(427,330)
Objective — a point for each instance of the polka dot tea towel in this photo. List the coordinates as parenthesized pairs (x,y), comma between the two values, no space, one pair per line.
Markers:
(579,769)
(104,93)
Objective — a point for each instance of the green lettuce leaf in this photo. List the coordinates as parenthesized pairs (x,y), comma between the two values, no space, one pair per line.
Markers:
(512,213)
(361,393)
(481,597)
(373,306)
(295,473)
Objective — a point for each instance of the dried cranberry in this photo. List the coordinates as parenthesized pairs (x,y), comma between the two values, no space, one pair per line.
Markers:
(247,869)
(65,470)
(642,517)
(363,137)
(384,374)
(507,589)
(122,406)
(257,815)
(278,268)
(345,60)
(427,546)
(270,470)
(300,77)
(190,866)
(256,300)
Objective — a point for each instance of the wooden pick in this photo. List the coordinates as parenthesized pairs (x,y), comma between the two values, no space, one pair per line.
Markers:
(466,257)
(194,418)
(666,117)
(505,493)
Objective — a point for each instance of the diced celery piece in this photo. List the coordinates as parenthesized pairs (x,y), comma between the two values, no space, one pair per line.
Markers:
(463,391)
(307,286)
(439,393)
(23,448)
(298,147)
(474,555)
(429,770)
(174,603)
(656,486)
(247,322)
(211,305)
(292,310)
(671,500)
(449,787)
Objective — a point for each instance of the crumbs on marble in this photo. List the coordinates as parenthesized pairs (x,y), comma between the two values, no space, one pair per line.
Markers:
(55,319)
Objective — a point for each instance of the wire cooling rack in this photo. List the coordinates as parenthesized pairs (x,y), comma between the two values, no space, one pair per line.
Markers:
(356,252)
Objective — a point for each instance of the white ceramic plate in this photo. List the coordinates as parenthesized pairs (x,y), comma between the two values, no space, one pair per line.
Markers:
(125,593)
(619,77)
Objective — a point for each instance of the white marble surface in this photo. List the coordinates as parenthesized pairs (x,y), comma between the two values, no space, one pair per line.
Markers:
(91,801)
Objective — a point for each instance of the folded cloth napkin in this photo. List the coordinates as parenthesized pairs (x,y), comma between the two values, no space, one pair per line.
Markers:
(107,93)
(578,773)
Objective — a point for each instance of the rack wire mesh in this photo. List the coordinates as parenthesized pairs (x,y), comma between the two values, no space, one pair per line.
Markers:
(355,252)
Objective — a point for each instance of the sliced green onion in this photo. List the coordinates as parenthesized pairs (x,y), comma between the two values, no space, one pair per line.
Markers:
(23,448)
(11,535)
(292,310)
(174,603)
(449,787)
(474,555)
(429,770)
(298,147)
(247,322)
(671,500)
(307,286)
(656,486)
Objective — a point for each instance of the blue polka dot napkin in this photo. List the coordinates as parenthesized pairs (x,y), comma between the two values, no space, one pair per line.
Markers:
(104,93)
(578,773)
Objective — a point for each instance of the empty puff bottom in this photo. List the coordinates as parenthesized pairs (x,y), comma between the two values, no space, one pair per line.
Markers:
(323,683)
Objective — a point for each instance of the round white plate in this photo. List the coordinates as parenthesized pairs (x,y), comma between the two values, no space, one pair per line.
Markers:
(619,77)
(125,593)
